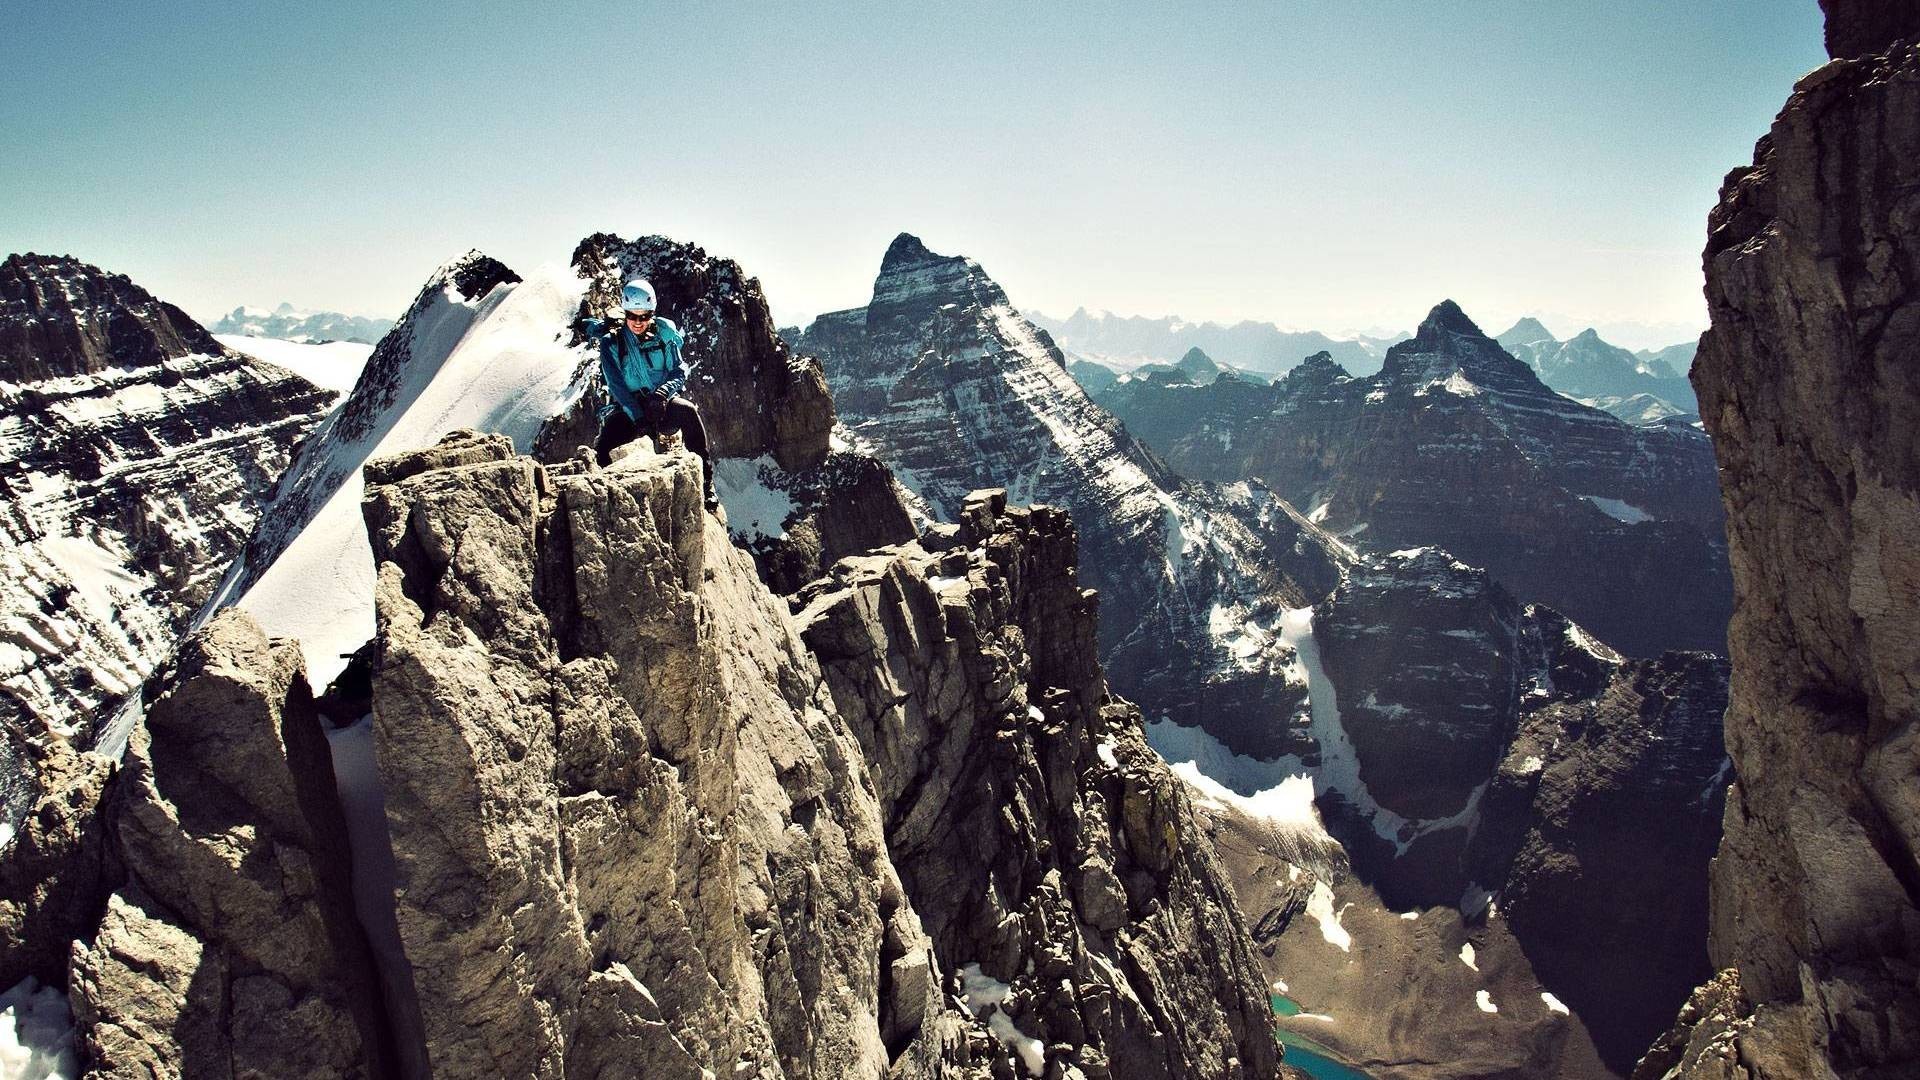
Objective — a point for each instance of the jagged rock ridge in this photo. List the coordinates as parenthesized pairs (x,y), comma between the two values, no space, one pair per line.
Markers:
(638,830)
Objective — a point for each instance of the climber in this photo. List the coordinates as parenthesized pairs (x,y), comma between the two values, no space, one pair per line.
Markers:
(640,361)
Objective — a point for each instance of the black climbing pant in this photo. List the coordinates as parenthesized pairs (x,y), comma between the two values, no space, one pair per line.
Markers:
(678,414)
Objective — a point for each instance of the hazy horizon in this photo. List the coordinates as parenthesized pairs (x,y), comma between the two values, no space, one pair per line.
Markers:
(1319,167)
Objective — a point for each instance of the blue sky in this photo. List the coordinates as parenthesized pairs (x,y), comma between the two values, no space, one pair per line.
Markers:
(1335,165)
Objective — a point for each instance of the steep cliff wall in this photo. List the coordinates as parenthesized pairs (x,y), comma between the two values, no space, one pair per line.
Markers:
(1810,382)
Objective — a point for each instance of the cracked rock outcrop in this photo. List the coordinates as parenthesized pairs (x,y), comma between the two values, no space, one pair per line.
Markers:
(1034,830)
(229,945)
(646,821)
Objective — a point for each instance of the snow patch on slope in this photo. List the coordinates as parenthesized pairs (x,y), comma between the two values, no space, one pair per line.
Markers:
(498,367)
(1619,511)
(754,507)
(1339,770)
(1320,907)
(979,993)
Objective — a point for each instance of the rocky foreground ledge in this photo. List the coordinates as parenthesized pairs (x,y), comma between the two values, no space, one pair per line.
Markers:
(647,821)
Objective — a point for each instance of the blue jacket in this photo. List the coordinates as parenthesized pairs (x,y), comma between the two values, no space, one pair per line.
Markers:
(635,367)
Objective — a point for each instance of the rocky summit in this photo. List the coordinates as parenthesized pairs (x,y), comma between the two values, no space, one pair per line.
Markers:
(627,813)
(1455,443)
(801,498)
(135,454)
(1807,381)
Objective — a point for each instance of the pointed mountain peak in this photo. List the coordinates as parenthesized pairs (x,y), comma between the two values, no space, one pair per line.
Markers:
(913,278)
(1448,341)
(1318,370)
(1197,361)
(1526,331)
(1588,335)
(474,274)
(906,251)
(1447,316)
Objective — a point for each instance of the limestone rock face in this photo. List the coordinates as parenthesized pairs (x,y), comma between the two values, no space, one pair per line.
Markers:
(230,947)
(1598,828)
(636,827)
(1859,27)
(1036,834)
(629,835)
(1807,380)
(135,454)
(1430,706)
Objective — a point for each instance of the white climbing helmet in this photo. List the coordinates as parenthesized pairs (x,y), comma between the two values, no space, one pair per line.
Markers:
(637,295)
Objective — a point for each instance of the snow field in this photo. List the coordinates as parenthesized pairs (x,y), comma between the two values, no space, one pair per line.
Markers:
(1320,907)
(333,366)
(497,365)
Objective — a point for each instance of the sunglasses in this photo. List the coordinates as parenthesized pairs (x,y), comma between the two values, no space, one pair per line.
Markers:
(639,316)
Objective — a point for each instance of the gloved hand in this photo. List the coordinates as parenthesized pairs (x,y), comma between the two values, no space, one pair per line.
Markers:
(661,395)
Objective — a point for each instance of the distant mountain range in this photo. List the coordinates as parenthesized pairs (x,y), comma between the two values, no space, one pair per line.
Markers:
(1585,366)
(289,323)
(1459,444)
(1127,341)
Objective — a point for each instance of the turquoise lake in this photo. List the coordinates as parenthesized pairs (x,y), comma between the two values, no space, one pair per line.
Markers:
(1309,1056)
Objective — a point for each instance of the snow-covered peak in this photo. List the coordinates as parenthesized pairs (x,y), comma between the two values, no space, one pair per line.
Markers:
(138,452)
(301,325)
